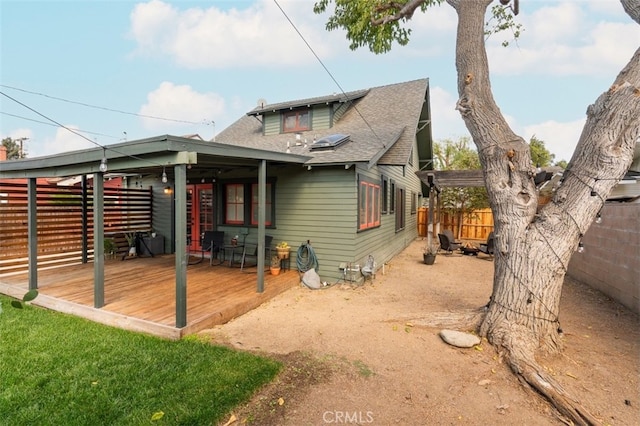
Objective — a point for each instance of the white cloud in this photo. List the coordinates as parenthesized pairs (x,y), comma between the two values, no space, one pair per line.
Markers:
(561,40)
(259,35)
(63,141)
(180,102)
(447,123)
(559,138)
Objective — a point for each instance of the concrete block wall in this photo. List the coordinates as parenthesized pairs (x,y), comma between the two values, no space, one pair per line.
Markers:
(611,259)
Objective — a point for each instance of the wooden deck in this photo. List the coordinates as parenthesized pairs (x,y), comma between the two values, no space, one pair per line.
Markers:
(140,293)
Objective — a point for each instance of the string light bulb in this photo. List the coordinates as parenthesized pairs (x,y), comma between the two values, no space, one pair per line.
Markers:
(164,176)
(580,247)
(599,217)
(103,165)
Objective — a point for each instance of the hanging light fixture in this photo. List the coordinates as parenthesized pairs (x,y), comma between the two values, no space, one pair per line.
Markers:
(103,165)
(164,176)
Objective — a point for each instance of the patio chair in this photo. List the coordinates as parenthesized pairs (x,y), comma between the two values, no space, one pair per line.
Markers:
(449,235)
(253,253)
(488,248)
(448,244)
(212,241)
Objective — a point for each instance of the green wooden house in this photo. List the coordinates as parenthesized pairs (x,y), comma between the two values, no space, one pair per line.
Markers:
(336,171)
(357,193)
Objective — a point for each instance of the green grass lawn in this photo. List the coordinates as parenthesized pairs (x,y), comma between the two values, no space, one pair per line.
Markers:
(56,369)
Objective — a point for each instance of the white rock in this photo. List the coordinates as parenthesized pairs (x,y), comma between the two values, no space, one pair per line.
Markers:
(459,339)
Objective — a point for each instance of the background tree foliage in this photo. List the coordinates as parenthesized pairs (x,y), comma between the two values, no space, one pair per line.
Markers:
(540,155)
(459,155)
(13,149)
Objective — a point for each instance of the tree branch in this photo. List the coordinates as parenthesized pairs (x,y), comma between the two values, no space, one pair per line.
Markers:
(632,7)
(405,11)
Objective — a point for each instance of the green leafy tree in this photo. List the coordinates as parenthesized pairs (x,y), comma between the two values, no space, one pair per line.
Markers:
(458,155)
(522,317)
(14,148)
(540,155)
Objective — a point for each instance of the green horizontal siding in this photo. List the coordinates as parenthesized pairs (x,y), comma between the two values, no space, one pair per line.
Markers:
(272,124)
(321,206)
(321,118)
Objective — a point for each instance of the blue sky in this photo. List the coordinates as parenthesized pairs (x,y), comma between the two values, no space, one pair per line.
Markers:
(200,65)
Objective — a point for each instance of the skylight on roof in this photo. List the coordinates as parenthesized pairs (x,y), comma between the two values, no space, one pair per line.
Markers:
(329,142)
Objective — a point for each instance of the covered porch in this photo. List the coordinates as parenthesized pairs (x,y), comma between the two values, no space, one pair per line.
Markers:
(169,161)
(140,294)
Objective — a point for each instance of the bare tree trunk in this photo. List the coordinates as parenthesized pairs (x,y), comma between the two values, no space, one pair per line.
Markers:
(533,250)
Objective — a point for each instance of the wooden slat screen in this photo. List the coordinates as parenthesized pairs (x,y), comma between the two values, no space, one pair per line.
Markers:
(59,217)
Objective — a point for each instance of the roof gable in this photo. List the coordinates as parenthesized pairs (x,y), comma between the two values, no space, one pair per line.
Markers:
(382,123)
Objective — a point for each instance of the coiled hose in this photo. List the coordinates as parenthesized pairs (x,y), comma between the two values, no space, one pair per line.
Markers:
(306,258)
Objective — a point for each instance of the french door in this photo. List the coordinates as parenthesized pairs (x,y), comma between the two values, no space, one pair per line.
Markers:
(200,213)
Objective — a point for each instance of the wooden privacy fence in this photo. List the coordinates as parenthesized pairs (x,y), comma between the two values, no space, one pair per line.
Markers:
(475,225)
(64,222)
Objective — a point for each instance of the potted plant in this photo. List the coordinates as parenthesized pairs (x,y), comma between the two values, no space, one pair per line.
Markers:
(275,265)
(283,249)
(131,240)
(429,253)
(109,248)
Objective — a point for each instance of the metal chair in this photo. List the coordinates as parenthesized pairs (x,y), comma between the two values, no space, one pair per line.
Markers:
(254,252)
(212,241)
(488,248)
(448,244)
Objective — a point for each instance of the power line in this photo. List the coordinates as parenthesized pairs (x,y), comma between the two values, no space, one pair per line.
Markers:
(104,108)
(55,125)
(51,119)
(104,147)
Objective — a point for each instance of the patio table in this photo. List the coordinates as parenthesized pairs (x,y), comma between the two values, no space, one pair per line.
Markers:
(229,251)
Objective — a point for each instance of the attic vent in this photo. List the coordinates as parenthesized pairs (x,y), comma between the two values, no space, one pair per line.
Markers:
(329,142)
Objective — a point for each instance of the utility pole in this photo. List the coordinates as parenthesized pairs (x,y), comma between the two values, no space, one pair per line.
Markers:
(21,140)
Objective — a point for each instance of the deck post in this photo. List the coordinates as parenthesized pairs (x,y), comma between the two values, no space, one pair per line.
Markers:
(180,225)
(98,240)
(32,220)
(262,185)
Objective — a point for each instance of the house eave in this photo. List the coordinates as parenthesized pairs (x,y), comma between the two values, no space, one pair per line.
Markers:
(159,151)
(302,103)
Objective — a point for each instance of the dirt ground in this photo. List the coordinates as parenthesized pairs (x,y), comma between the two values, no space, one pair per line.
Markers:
(371,354)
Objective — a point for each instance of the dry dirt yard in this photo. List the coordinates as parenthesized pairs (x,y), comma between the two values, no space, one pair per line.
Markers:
(371,354)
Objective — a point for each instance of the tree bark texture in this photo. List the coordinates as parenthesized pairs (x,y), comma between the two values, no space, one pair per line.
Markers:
(533,247)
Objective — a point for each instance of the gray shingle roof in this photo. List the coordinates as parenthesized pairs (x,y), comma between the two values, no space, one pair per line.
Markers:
(381,123)
(340,97)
